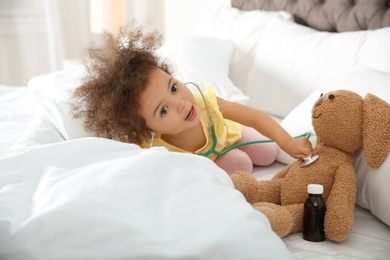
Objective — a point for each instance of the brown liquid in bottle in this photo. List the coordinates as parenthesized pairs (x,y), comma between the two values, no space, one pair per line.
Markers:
(314,214)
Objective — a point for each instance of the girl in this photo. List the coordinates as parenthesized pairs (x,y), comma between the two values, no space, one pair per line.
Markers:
(130,95)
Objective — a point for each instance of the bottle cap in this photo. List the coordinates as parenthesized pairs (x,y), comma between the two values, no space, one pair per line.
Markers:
(315,189)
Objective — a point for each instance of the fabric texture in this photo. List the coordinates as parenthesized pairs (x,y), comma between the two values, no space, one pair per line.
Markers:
(227,131)
(328,15)
(291,61)
(94,198)
(244,30)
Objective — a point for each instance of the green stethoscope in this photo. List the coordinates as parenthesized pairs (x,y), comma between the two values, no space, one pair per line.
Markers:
(214,136)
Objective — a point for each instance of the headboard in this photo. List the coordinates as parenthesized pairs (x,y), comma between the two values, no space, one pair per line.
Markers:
(328,15)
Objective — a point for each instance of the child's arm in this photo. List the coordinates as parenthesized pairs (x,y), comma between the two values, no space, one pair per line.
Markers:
(264,124)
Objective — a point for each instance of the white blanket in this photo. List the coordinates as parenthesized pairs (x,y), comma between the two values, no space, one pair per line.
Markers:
(94,198)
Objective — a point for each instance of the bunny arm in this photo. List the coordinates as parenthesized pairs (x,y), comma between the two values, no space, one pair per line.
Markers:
(340,204)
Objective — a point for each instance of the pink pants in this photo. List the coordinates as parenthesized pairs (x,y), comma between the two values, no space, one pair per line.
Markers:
(243,158)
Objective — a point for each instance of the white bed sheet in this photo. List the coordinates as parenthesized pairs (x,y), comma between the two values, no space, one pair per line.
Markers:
(23,233)
(94,198)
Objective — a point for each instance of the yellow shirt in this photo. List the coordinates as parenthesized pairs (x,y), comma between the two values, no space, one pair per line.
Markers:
(227,131)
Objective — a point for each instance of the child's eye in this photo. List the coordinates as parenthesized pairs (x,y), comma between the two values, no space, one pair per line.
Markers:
(164,111)
(174,89)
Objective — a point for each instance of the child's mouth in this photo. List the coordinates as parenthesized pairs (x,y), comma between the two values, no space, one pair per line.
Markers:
(191,114)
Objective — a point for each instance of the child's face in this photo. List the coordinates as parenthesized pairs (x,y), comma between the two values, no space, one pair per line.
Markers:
(167,105)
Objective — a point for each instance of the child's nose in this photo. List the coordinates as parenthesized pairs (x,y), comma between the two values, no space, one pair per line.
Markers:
(181,105)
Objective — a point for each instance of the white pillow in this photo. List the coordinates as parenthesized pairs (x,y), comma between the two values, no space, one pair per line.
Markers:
(203,60)
(372,194)
(372,187)
(54,121)
(244,29)
(41,130)
(55,83)
(293,60)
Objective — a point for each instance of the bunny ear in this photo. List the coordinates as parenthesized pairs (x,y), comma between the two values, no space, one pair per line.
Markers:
(376,130)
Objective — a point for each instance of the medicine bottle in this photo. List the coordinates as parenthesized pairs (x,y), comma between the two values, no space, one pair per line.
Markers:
(314,214)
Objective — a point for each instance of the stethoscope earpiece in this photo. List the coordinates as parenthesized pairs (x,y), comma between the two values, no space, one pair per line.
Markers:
(152,133)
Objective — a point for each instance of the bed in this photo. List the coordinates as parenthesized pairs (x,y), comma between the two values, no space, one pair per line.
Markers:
(65,194)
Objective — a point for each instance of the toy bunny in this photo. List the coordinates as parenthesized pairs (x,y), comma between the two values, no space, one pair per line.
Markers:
(344,123)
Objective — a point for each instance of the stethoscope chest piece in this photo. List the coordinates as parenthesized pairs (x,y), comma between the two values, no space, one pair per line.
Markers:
(309,160)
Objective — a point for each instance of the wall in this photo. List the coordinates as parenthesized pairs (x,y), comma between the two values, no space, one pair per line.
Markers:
(37,36)
(172,17)
(182,16)
(23,41)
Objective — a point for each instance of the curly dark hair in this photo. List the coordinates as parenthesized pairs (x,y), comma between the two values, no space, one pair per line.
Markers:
(117,74)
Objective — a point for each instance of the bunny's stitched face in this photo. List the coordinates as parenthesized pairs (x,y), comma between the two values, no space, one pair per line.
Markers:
(337,120)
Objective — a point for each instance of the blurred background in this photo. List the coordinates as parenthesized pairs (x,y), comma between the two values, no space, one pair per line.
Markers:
(42,36)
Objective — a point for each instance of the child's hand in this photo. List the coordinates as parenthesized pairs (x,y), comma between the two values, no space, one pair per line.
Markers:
(299,148)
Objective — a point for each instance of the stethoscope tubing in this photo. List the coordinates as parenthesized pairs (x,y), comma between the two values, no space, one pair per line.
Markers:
(234,146)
